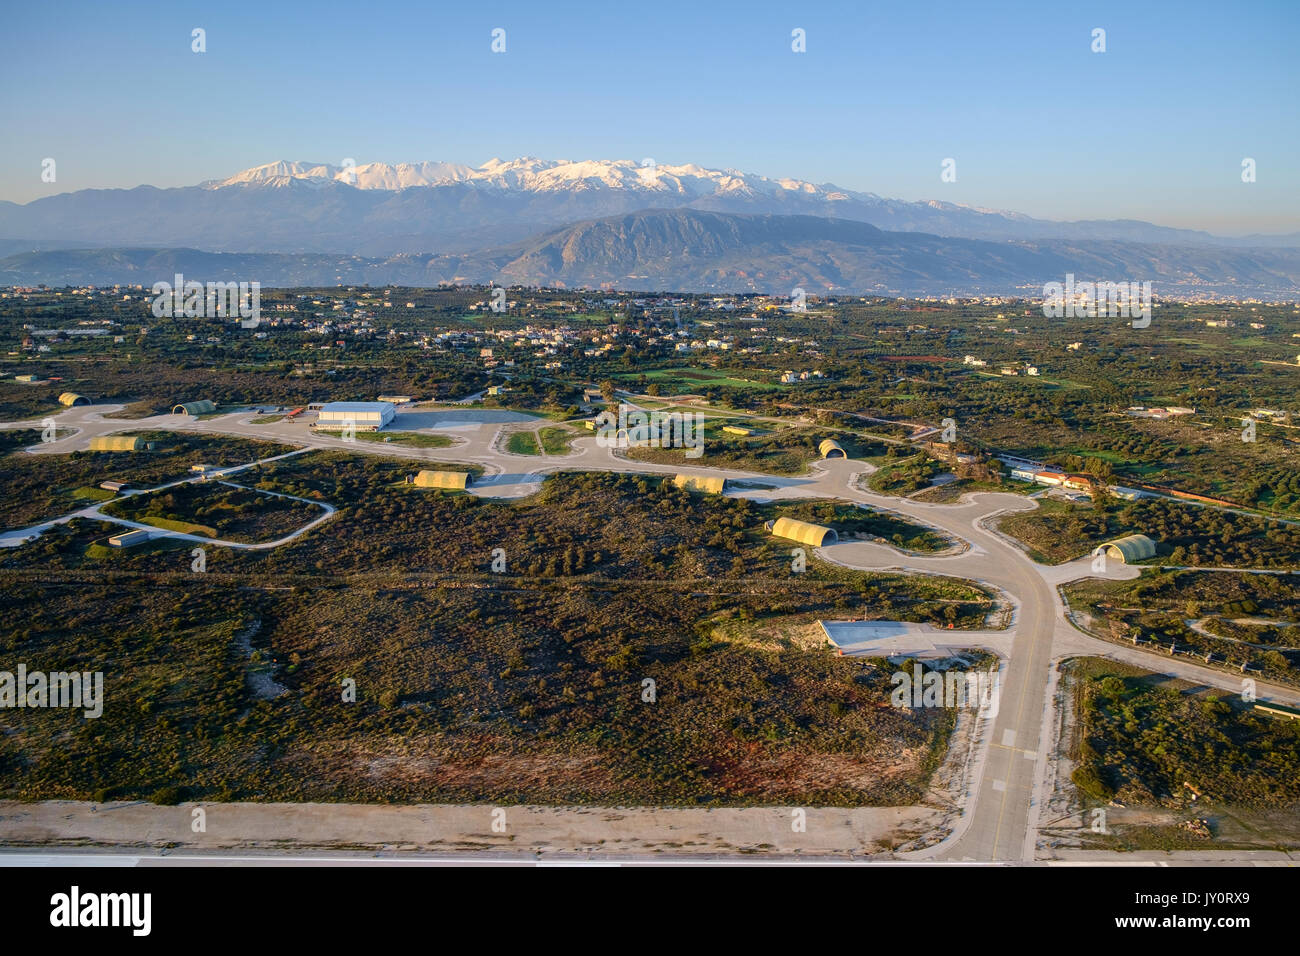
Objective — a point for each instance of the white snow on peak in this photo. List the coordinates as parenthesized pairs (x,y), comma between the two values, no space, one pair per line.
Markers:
(531,174)
(676,184)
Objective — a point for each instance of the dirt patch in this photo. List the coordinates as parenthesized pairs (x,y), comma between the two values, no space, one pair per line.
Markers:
(434,764)
(442,828)
(773,635)
(954,779)
(257,675)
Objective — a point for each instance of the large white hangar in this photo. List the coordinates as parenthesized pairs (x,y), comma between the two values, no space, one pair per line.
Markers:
(363,416)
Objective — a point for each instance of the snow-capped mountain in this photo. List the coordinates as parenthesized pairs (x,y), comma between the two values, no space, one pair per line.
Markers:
(382,209)
(541,175)
(365,176)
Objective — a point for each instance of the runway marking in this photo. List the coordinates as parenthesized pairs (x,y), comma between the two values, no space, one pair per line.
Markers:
(1008,738)
(1028,754)
(1000,786)
(1020,710)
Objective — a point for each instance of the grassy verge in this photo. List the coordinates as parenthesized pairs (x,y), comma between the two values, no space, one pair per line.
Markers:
(522,443)
(902,476)
(93,494)
(173,524)
(407,439)
(555,441)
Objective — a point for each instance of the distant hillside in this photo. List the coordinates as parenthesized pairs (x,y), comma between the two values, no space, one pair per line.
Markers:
(687,249)
(691,250)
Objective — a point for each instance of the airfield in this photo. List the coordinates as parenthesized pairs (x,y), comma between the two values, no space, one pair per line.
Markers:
(999,795)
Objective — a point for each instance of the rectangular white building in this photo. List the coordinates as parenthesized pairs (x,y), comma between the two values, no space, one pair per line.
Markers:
(362,416)
(129,539)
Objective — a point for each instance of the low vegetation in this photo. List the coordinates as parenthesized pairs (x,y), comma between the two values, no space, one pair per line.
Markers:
(1236,620)
(218,511)
(897,475)
(523,685)
(1186,535)
(1142,740)
(39,487)
(522,443)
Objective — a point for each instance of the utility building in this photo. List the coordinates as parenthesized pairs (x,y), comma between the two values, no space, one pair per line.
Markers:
(361,416)
(710,484)
(1130,548)
(453,480)
(802,531)
(1128,494)
(202,407)
(129,539)
(119,443)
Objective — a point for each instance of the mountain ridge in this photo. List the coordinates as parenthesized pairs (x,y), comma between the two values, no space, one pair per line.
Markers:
(690,250)
(452,208)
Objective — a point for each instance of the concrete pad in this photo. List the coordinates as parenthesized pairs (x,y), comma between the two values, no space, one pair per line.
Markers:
(1058,574)
(909,639)
(456,418)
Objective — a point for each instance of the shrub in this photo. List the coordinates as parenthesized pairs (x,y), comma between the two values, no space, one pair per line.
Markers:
(167,796)
(1087,779)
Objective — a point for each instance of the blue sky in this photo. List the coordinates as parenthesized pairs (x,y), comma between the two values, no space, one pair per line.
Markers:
(1155,128)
